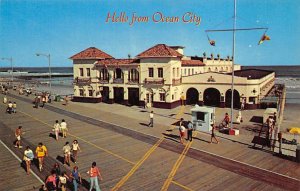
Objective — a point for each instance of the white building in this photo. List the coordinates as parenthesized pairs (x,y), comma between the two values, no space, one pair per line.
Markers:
(162,76)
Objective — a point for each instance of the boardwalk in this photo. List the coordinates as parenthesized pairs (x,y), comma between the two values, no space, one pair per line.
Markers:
(12,176)
(139,158)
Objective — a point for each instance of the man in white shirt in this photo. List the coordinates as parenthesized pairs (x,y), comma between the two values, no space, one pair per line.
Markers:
(151,116)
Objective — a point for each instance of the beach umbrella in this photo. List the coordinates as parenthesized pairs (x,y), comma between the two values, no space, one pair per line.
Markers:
(295,130)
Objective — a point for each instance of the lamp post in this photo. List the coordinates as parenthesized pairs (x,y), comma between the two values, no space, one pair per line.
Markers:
(12,67)
(48,56)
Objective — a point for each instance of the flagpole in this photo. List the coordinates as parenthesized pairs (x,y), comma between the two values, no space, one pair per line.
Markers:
(233,54)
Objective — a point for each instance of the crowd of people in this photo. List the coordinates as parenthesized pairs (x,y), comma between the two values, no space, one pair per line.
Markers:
(57,180)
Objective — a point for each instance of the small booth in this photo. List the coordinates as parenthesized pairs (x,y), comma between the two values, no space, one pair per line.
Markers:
(269,112)
(203,117)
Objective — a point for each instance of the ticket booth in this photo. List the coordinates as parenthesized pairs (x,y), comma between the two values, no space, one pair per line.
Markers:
(203,117)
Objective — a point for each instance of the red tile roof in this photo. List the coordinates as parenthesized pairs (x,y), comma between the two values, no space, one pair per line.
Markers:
(91,53)
(192,63)
(159,50)
(117,62)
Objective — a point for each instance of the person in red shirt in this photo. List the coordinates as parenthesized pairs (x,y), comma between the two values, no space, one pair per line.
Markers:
(94,172)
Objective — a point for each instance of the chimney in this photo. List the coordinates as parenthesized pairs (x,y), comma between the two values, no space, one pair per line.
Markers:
(178,49)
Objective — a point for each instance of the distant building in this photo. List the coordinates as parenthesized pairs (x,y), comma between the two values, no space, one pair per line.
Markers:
(163,76)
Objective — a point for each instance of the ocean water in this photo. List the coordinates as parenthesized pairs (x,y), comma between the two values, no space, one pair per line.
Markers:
(40,69)
(288,75)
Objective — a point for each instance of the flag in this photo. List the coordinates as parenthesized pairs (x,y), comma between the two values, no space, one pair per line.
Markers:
(212,42)
(263,38)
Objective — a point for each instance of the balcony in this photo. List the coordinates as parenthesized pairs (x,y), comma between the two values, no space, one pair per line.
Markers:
(118,81)
(176,82)
(82,81)
(154,81)
(103,81)
(133,82)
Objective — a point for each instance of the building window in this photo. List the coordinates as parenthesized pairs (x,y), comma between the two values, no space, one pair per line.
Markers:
(88,72)
(118,73)
(150,72)
(174,72)
(185,71)
(104,74)
(252,100)
(162,96)
(133,75)
(80,71)
(160,72)
(209,69)
(189,71)
(192,71)
(177,72)
(90,93)
(81,92)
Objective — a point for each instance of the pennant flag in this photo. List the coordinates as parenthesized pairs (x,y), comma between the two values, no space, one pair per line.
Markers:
(212,42)
(263,38)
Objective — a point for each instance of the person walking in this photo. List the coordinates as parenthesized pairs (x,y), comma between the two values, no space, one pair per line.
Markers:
(270,123)
(28,157)
(51,182)
(36,102)
(190,131)
(66,99)
(64,128)
(63,181)
(9,107)
(76,178)
(151,116)
(41,151)
(181,133)
(43,101)
(56,129)
(18,134)
(75,149)
(5,100)
(94,172)
(213,135)
(67,153)
(182,100)
(243,103)
(56,168)
(14,107)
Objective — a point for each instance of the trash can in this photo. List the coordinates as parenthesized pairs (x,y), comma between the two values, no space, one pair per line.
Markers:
(57,98)
(298,154)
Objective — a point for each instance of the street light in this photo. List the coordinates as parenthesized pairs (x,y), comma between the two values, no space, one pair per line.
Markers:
(12,67)
(48,56)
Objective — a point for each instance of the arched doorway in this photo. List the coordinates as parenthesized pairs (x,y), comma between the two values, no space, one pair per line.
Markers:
(236,99)
(211,97)
(192,96)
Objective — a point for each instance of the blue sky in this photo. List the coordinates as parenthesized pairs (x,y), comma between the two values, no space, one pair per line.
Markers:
(63,28)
